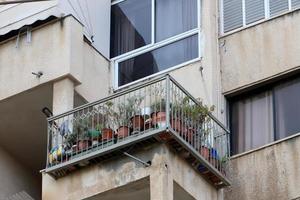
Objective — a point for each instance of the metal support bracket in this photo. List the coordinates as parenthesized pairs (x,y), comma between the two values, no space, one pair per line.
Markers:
(146,164)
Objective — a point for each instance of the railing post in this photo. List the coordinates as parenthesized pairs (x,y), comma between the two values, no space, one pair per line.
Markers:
(49,129)
(168,101)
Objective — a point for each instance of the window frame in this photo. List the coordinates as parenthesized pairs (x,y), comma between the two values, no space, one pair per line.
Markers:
(268,87)
(245,25)
(156,45)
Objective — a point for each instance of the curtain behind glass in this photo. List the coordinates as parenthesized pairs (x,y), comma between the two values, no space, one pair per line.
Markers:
(130,26)
(252,122)
(287,104)
(158,60)
(174,17)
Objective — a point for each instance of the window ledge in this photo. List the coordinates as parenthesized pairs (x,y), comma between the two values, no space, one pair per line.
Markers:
(256,23)
(265,146)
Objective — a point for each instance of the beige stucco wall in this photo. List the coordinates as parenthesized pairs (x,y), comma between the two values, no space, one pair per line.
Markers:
(270,173)
(260,52)
(55,50)
(118,172)
(16,178)
(58,50)
(95,75)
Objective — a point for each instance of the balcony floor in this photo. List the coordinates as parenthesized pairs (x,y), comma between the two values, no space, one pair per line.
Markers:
(170,137)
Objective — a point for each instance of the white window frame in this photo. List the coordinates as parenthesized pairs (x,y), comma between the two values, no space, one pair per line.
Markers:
(153,46)
(267,16)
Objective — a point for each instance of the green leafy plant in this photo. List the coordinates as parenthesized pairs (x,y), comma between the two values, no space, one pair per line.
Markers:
(70,140)
(159,106)
(126,110)
(197,112)
(81,128)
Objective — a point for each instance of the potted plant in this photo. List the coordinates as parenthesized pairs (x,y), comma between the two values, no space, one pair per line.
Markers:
(177,117)
(95,134)
(81,131)
(108,118)
(158,114)
(122,119)
(137,119)
(196,116)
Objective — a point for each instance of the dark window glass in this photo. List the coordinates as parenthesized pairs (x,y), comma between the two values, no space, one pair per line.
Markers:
(130,26)
(252,122)
(158,60)
(287,108)
(263,117)
(174,17)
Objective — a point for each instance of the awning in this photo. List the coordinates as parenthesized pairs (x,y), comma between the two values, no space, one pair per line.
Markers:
(19,15)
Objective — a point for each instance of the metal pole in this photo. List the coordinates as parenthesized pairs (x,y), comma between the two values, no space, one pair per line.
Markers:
(146,164)
(168,101)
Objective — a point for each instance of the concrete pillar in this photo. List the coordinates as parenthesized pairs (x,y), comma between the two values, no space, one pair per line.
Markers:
(63,96)
(63,100)
(161,184)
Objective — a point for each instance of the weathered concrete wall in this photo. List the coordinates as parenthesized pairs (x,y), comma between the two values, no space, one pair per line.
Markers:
(55,50)
(118,172)
(270,173)
(260,52)
(95,75)
(15,178)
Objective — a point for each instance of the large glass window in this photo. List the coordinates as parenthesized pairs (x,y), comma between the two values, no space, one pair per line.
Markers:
(150,36)
(158,60)
(174,17)
(130,26)
(266,116)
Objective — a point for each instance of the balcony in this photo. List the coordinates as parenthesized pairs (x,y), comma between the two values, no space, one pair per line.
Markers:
(160,110)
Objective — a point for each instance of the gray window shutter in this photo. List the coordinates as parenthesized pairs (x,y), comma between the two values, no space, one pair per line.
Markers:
(295,4)
(233,14)
(255,10)
(278,6)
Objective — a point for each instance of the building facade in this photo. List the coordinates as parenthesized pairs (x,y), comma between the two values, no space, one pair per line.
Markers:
(151,99)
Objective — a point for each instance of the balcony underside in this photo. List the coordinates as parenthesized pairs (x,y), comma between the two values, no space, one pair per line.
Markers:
(134,143)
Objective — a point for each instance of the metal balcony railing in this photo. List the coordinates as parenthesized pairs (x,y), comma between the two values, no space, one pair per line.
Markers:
(159,108)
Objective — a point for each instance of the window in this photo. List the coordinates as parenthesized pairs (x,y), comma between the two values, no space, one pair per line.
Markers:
(130,26)
(241,13)
(265,116)
(158,60)
(152,36)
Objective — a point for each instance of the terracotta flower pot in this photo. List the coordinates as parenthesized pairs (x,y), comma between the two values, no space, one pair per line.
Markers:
(137,122)
(176,124)
(82,144)
(158,119)
(123,131)
(204,151)
(107,134)
(189,134)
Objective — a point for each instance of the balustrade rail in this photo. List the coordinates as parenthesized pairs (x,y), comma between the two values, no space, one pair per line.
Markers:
(152,107)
